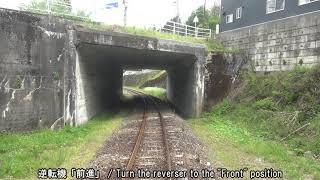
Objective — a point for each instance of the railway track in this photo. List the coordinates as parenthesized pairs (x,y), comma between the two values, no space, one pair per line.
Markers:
(153,140)
(151,149)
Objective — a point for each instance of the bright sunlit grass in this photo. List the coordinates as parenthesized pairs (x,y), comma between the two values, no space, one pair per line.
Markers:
(153,91)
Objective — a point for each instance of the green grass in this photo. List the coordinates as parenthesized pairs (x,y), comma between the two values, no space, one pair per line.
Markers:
(140,79)
(210,44)
(236,147)
(158,75)
(21,154)
(157,78)
(282,103)
(275,117)
(156,92)
(153,91)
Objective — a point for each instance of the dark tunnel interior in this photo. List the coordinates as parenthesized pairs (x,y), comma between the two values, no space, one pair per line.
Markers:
(99,73)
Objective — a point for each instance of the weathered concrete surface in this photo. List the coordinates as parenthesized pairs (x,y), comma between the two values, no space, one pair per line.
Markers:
(181,60)
(279,45)
(223,70)
(53,73)
(32,57)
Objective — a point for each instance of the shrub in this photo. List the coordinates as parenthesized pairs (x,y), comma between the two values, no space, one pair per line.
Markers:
(276,105)
(265,104)
(222,108)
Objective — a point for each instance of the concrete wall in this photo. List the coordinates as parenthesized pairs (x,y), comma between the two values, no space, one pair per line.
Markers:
(279,45)
(98,85)
(223,70)
(184,62)
(185,86)
(32,57)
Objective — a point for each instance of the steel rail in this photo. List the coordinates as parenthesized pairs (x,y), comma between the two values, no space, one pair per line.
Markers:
(164,133)
(139,138)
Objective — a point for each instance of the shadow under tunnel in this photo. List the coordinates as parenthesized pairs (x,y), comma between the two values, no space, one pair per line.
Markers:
(99,72)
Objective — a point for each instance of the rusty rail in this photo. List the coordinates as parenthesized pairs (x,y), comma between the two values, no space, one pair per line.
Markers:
(137,145)
(139,139)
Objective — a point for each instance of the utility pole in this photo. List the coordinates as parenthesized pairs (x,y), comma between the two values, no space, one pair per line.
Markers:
(178,9)
(176,2)
(125,13)
(204,6)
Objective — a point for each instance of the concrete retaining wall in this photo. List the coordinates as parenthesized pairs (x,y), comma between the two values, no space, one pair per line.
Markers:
(32,57)
(223,70)
(279,45)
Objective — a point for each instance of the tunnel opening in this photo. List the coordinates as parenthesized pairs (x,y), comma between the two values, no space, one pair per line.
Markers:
(99,77)
(148,83)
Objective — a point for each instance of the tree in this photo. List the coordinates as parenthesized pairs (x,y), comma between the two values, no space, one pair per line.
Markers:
(215,11)
(168,27)
(59,7)
(207,18)
(176,19)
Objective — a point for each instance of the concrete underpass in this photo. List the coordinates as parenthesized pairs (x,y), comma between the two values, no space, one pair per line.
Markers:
(55,73)
(99,71)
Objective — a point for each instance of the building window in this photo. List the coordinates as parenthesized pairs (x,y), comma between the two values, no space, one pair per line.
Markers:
(229,18)
(302,2)
(239,13)
(275,5)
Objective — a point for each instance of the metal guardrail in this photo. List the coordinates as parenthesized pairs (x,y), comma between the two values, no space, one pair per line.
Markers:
(186,30)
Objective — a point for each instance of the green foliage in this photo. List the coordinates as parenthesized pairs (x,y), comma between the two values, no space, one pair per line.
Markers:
(159,74)
(265,104)
(282,107)
(141,79)
(207,18)
(57,7)
(221,108)
(153,91)
(294,98)
(156,78)
(41,5)
(299,88)
(156,92)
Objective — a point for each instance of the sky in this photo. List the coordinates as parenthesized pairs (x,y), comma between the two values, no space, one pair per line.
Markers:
(141,13)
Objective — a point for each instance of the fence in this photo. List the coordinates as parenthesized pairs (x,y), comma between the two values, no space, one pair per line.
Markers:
(186,30)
